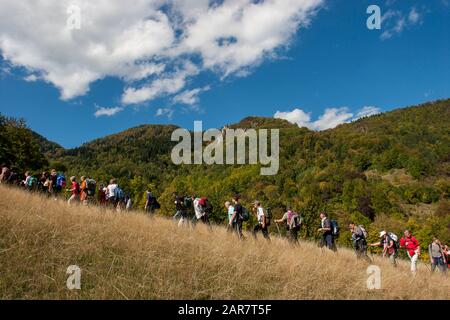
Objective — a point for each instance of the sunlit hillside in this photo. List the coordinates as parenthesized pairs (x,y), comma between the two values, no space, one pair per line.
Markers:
(131,256)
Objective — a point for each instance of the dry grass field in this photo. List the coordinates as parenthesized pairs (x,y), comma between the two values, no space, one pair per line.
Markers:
(131,256)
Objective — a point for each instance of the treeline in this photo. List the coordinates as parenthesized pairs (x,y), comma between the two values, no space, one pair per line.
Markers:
(19,148)
(390,171)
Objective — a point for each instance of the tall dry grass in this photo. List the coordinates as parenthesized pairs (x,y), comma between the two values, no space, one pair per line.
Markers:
(130,256)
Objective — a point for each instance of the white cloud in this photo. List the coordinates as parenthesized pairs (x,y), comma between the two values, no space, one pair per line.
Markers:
(165,112)
(331,118)
(394,22)
(169,84)
(297,116)
(108,112)
(367,111)
(31,78)
(143,41)
(189,97)
(413,16)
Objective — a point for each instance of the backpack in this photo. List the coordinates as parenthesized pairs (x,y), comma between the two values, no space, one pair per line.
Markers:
(207,205)
(32,182)
(61,181)
(294,220)
(335,230)
(91,186)
(394,238)
(119,194)
(188,202)
(364,231)
(156,204)
(245,215)
(268,214)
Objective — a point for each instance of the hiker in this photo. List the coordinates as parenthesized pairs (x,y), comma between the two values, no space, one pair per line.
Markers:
(238,217)
(53,188)
(150,202)
(447,255)
(231,226)
(13,179)
(181,210)
(44,183)
(389,246)
(30,182)
(293,222)
(412,246)
(260,214)
(359,239)
(232,219)
(111,193)
(199,211)
(91,188)
(101,195)
(60,183)
(437,256)
(204,210)
(83,190)
(5,173)
(75,190)
(327,233)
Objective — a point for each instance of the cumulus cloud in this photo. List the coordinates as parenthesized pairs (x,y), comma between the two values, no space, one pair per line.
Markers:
(189,97)
(168,84)
(394,22)
(144,42)
(331,118)
(108,112)
(297,116)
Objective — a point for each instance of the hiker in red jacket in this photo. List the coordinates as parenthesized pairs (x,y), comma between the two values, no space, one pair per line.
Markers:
(410,243)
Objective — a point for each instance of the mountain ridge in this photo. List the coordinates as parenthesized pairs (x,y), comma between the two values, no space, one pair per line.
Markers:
(373,171)
(248,122)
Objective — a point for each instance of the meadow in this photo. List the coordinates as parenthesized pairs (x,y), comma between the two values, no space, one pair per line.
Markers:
(132,256)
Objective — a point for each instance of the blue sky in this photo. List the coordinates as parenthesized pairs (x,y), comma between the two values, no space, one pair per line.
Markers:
(329,71)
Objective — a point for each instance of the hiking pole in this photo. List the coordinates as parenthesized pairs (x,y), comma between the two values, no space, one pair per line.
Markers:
(426,264)
(278,228)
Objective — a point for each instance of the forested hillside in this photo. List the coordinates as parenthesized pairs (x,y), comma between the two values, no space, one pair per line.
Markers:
(390,171)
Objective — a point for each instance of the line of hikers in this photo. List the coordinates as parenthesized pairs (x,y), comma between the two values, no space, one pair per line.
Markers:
(329,230)
(54,183)
(113,196)
(439,254)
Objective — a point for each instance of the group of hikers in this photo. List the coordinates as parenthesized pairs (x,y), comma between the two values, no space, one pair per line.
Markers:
(111,195)
(439,254)
(84,191)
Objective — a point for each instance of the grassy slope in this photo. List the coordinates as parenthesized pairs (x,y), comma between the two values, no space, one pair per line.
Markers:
(134,257)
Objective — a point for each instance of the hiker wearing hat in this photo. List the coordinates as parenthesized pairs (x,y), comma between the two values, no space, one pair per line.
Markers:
(389,247)
(258,210)
(411,244)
